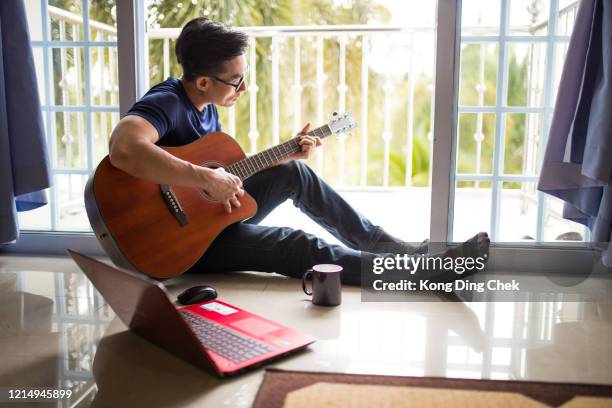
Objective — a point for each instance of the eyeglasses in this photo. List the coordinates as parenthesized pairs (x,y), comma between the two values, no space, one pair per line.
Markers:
(236,86)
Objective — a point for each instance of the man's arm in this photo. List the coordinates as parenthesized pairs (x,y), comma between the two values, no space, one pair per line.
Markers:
(132,149)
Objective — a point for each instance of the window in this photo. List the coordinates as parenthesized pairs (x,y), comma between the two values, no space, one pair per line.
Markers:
(510,59)
(75,52)
(379,62)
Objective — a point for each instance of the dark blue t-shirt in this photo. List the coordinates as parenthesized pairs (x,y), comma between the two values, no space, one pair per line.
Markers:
(176,119)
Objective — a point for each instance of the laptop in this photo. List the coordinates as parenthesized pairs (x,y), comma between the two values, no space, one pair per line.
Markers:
(213,335)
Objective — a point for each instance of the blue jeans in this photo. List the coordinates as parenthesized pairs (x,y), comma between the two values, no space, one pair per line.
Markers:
(248,246)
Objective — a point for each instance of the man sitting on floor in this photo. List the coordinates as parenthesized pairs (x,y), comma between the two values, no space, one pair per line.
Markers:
(177,112)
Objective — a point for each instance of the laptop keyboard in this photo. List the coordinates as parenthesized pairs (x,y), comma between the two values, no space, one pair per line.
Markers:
(223,341)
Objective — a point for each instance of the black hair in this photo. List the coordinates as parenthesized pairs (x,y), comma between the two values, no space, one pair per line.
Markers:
(204,45)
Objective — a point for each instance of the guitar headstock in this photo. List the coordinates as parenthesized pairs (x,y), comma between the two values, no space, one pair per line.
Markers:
(341,122)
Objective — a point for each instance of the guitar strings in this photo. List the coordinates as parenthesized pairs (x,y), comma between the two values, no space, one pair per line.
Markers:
(245,168)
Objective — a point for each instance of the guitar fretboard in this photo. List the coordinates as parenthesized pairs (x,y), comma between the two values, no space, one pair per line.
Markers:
(267,158)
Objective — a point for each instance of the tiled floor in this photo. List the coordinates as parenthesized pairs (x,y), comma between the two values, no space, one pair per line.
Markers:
(56,329)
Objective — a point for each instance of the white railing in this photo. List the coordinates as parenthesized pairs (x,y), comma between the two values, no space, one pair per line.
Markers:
(72,18)
(103,65)
(341,34)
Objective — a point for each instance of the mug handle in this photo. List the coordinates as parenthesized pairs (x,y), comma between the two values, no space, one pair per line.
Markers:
(308,272)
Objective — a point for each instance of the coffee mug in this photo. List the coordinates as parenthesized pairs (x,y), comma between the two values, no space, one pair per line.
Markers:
(326,287)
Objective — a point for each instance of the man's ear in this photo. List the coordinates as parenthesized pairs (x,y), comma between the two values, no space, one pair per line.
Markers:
(202,83)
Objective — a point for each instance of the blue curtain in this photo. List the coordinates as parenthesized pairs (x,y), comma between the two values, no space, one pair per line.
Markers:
(577,165)
(24,171)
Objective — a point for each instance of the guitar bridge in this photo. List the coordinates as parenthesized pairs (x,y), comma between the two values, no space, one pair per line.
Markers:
(173,204)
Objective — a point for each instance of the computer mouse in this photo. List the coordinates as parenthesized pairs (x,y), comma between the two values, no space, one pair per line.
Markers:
(197,294)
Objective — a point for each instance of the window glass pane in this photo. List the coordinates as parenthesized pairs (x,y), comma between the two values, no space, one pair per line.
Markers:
(475,147)
(566,16)
(518,123)
(528,17)
(102,125)
(104,82)
(103,20)
(526,74)
(522,152)
(518,212)
(70,202)
(478,83)
(472,210)
(480,17)
(66,20)
(68,74)
(71,140)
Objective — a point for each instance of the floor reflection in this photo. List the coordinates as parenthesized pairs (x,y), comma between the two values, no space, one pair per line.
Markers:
(50,324)
(503,340)
(126,364)
(55,329)
(29,349)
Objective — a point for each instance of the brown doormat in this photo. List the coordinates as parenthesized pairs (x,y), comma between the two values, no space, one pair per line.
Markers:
(278,383)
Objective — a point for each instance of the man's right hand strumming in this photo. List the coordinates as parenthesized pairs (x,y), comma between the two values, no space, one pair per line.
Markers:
(223,187)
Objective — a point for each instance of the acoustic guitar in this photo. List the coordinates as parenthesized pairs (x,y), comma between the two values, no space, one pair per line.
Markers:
(162,230)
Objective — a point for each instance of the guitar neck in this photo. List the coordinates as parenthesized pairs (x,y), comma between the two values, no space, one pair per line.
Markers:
(270,157)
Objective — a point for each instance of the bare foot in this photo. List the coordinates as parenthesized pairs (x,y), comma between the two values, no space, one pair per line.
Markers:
(475,247)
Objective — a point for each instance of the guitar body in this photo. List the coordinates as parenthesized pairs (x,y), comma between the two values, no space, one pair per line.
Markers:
(134,220)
